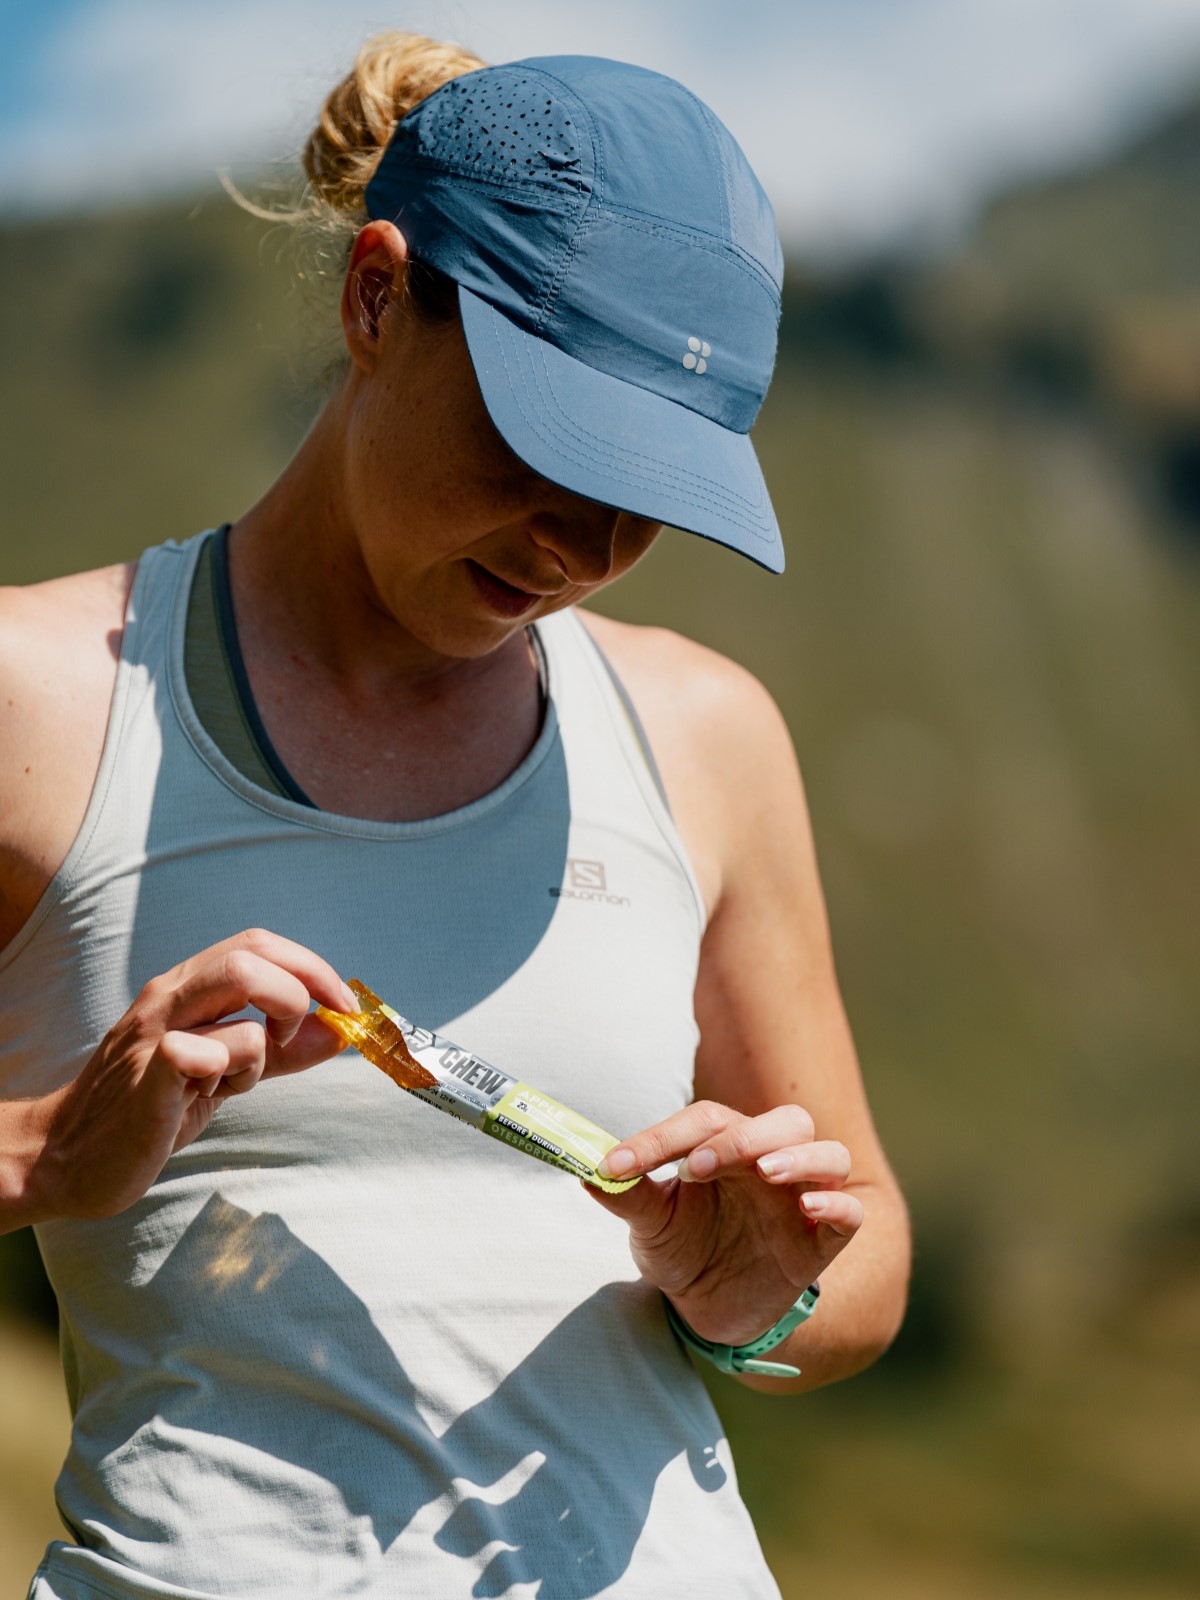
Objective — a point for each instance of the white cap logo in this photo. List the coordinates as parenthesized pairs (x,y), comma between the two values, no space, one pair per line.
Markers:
(698,352)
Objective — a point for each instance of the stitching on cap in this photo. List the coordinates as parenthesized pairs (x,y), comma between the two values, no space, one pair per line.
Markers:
(602,166)
(685,230)
(685,487)
(655,466)
(433,185)
(753,261)
(549,295)
(699,241)
(710,122)
(698,236)
(659,471)
(586,224)
(728,385)
(597,146)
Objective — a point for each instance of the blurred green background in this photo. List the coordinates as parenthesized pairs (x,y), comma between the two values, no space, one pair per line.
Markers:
(987,647)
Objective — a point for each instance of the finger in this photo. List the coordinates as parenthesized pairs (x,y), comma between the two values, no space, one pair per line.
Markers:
(235,979)
(836,1215)
(231,980)
(667,1140)
(313,1042)
(825,1163)
(223,978)
(742,1143)
(185,1062)
(245,1044)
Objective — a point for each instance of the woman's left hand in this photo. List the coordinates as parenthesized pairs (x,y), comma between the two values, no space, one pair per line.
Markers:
(754,1215)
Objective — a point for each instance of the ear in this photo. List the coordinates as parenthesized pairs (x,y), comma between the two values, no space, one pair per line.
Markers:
(374,279)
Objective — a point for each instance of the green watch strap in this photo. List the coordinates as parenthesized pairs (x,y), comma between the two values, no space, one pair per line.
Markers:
(745,1357)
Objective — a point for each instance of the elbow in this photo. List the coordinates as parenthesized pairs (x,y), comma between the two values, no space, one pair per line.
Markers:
(876,1339)
(883,1315)
(862,1311)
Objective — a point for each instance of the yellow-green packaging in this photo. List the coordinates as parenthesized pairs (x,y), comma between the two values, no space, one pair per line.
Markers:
(455,1080)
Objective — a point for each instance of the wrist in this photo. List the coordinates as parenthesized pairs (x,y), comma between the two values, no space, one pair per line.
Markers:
(735,1325)
(749,1356)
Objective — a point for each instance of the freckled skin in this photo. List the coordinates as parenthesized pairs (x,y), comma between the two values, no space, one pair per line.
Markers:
(431,485)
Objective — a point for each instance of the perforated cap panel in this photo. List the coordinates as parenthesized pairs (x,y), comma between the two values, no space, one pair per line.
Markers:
(502,126)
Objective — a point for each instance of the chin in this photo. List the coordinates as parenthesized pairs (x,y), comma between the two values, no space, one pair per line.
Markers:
(461,638)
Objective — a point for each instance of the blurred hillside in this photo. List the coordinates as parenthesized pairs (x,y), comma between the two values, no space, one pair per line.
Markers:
(1081,294)
(987,648)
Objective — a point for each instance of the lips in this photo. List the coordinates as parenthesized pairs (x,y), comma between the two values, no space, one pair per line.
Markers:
(506,599)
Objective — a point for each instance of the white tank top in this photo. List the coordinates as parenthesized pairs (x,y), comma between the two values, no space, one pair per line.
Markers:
(346,1346)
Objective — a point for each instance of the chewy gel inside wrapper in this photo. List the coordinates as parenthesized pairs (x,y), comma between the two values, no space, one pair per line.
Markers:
(452,1079)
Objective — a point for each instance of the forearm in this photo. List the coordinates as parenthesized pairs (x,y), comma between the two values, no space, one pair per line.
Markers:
(863,1296)
(24,1136)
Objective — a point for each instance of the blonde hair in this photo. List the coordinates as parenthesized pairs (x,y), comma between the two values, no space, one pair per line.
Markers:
(392,72)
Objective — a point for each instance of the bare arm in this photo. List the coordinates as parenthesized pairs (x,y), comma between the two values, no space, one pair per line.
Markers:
(95,1145)
(776,1071)
(774,1032)
(59,645)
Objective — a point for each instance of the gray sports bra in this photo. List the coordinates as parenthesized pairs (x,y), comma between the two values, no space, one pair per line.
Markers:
(224,701)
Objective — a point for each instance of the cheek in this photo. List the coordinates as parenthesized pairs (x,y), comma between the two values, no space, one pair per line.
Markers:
(438,437)
(377,459)
(635,535)
(412,486)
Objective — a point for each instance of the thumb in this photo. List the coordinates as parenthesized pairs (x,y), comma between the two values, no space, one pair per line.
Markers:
(647,1207)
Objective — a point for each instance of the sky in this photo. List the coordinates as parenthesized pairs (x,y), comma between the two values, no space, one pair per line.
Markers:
(874,124)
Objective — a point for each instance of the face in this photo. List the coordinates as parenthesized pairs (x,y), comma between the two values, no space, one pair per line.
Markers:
(462,543)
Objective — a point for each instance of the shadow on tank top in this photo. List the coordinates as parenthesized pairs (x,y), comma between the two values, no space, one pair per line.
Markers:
(220,691)
(436,914)
(527,1431)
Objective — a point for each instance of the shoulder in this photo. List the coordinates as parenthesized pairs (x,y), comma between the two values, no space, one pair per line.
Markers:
(714,697)
(54,635)
(719,738)
(99,594)
(59,646)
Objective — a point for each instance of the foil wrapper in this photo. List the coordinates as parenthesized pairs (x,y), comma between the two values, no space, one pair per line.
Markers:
(460,1083)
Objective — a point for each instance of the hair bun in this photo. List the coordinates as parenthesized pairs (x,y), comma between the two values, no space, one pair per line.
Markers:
(393,72)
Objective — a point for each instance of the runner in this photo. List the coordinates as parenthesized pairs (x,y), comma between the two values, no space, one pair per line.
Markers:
(319,1340)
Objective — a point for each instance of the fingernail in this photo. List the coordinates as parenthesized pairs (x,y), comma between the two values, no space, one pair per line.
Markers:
(700,1164)
(616,1163)
(814,1204)
(770,1165)
(349,999)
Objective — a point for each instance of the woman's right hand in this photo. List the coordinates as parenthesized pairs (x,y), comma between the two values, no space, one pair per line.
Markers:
(95,1146)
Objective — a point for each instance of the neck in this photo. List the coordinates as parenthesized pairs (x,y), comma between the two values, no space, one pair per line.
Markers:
(302,590)
(370,721)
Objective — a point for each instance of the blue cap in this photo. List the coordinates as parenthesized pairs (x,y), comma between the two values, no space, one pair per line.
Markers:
(619,276)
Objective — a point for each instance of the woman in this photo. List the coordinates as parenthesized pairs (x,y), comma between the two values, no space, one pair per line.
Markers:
(317,1339)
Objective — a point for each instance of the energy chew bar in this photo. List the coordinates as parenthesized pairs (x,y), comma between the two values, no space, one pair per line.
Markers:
(456,1081)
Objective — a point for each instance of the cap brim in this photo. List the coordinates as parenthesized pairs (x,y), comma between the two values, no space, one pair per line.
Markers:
(614,442)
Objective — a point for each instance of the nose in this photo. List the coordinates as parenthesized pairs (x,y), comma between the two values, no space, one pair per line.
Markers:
(580,536)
